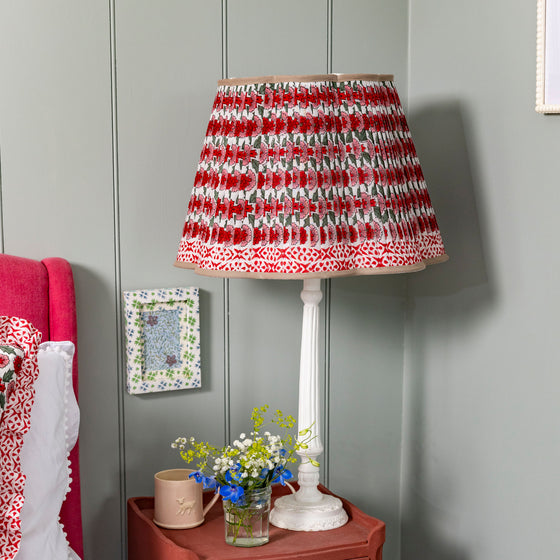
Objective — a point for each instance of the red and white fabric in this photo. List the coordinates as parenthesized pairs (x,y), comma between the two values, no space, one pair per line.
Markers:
(318,177)
(15,424)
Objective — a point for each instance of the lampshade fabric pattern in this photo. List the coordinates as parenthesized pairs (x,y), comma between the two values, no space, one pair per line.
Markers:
(309,178)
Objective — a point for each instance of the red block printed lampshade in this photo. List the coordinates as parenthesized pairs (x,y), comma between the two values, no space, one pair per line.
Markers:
(309,177)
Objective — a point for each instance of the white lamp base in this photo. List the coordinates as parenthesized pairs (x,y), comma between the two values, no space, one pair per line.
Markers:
(308,509)
(324,515)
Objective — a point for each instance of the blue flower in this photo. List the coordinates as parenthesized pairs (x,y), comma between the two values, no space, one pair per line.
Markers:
(233,493)
(197,475)
(264,473)
(234,474)
(282,475)
(207,481)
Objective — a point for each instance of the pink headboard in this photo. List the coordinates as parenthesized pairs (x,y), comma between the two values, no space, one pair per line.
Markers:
(43,293)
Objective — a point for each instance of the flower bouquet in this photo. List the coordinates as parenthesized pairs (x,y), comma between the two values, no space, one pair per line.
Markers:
(243,472)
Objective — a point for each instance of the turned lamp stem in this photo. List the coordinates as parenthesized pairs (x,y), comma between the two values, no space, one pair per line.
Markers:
(309,408)
(308,509)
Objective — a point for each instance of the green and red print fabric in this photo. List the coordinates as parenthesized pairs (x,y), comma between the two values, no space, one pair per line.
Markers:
(312,178)
(11,359)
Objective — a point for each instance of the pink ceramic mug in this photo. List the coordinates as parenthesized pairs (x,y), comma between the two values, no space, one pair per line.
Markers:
(178,500)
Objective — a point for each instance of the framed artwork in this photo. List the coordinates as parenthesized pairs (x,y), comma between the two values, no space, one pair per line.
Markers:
(162,339)
(548,56)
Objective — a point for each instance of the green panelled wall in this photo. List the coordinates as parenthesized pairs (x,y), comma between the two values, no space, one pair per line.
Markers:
(103,109)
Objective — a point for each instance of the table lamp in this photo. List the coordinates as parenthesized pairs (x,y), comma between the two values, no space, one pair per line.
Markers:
(309,177)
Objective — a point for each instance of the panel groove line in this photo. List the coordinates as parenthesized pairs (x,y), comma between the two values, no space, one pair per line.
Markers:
(118,284)
(225,284)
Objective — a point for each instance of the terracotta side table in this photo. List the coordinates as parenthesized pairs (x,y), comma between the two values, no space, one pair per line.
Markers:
(361,538)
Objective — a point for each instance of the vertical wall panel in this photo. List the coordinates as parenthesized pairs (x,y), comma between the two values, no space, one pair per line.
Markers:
(371,36)
(265,315)
(168,60)
(55,141)
(365,404)
(367,314)
(288,37)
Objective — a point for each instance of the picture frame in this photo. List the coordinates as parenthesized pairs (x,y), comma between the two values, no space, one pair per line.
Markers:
(548,56)
(162,329)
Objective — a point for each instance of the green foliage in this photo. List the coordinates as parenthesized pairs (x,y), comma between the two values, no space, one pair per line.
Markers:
(7,349)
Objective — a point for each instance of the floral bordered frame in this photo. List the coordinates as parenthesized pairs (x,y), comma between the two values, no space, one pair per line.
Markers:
(162,339)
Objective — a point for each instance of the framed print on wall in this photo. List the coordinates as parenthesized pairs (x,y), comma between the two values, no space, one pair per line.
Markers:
(162,339)
(548,56)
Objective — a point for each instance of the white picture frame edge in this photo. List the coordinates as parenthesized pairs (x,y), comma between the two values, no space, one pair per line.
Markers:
(541,106)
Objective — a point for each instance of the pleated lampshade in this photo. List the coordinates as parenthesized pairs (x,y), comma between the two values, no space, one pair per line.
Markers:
(309,177)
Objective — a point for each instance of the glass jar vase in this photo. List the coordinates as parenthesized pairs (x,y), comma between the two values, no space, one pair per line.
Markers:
(246,522)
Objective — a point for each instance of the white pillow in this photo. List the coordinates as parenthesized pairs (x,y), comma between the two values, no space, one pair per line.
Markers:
(55,421)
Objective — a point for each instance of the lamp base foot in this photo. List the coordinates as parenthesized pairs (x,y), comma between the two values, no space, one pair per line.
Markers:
(326,514)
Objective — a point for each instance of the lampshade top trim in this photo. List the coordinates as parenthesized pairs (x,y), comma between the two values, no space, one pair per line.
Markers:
(305,78)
